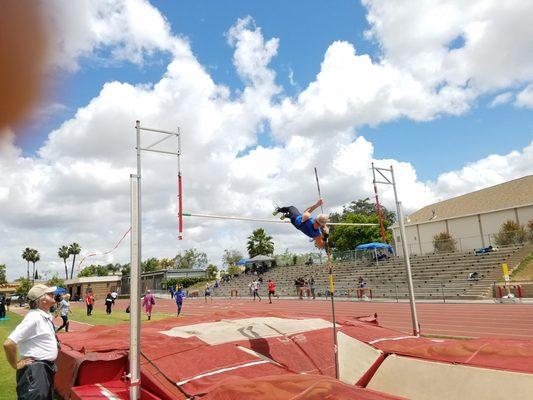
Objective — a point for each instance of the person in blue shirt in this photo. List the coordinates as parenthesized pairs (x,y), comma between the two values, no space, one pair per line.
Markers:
(178,297)
(315,228)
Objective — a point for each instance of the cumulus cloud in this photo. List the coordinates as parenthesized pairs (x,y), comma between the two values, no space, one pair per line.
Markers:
(525,97)
(127,29)
(77,187)
(502,98)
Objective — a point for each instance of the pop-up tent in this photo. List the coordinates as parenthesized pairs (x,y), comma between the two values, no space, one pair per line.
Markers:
(375,246)
(60,291)
(242,261)
(373,249)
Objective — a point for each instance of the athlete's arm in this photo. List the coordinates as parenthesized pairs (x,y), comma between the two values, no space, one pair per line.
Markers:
(307,213)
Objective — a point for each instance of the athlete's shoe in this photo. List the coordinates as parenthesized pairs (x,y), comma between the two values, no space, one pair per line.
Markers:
(276,211)
(282,217)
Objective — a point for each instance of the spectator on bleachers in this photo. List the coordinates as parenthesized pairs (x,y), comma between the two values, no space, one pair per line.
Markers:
(312,287)
(473,276)
(361,284)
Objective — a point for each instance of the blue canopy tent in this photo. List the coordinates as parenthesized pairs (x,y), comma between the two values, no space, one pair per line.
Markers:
(60,291)
(242,261)
(374,247)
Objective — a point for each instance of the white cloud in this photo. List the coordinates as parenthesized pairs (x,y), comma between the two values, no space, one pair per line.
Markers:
(127,29)
(525,97)
(502,98)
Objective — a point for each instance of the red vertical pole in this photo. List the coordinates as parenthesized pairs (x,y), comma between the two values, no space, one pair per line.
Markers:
(378,206)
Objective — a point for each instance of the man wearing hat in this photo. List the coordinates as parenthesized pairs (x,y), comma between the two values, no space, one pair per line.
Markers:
(38,346)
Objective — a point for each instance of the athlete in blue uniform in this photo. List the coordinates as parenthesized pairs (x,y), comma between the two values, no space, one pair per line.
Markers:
(315,228)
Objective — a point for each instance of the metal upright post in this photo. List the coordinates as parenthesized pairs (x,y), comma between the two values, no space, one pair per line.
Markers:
(135,315)
(136,256)
(416,329)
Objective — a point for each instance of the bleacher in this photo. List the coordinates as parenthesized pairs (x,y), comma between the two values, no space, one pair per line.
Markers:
(435,276)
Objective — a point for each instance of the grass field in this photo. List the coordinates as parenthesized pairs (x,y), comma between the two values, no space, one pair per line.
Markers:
(99,316)
(524,272)
(7,374)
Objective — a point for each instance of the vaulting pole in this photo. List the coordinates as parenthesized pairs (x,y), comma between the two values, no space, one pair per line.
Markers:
(331,289)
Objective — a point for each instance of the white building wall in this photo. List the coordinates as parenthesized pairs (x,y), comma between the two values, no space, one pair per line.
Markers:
(525,214)
(427,231)
(492,222)
(465,231)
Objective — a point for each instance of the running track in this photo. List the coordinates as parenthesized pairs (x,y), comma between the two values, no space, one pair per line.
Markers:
(465,319)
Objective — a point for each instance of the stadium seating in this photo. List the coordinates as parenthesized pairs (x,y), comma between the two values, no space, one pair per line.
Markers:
(435,276)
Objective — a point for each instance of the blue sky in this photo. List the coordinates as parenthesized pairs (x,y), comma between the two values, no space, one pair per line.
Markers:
(305,29)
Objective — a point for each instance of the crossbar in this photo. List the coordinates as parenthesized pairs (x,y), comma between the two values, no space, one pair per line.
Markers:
(275,221)
(159,131)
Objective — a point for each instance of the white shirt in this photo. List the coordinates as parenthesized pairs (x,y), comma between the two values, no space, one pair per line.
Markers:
(35,336)
(64,308)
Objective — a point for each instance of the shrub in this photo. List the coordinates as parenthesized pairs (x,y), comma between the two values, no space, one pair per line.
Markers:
(529,229)
(184,282)
(510,233)
(444,243)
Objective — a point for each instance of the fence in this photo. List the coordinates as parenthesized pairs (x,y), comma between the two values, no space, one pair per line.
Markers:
(467,243)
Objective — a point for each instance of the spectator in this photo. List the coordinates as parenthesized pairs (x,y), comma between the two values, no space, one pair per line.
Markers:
(108,303)
(309,261)
(473,276)
(64,310)
(2,306)
(207,292)
(114,295)
(250,288)
(178,297)
(361,284)
(271,290)
(89,302)
(312,287)
(8,302)
(217,284)
(171,291)
(255,289)
(148,302)
(37,345)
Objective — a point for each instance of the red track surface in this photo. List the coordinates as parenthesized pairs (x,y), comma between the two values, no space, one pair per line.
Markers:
(466,319)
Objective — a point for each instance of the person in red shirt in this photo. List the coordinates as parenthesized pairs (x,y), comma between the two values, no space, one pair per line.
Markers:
(271,290)
(89,301)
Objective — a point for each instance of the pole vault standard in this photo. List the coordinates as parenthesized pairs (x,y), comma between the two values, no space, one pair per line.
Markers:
(331,289)
(391,181)
(136,253)
(274,221)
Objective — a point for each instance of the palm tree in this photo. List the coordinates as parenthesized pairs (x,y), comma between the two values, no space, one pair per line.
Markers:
(73,249)
(64,254)
(26,255)
(260,243)
(34,257)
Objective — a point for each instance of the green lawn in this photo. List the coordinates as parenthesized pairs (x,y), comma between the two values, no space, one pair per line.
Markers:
(99,316)
(7,374)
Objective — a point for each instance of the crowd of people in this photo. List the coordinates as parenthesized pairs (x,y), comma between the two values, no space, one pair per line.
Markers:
(305,285)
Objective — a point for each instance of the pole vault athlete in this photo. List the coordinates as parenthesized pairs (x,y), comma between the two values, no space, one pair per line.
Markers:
(315,228)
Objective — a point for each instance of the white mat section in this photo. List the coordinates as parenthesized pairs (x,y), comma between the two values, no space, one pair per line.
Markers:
(355,358)
(227,331)
(418,379)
